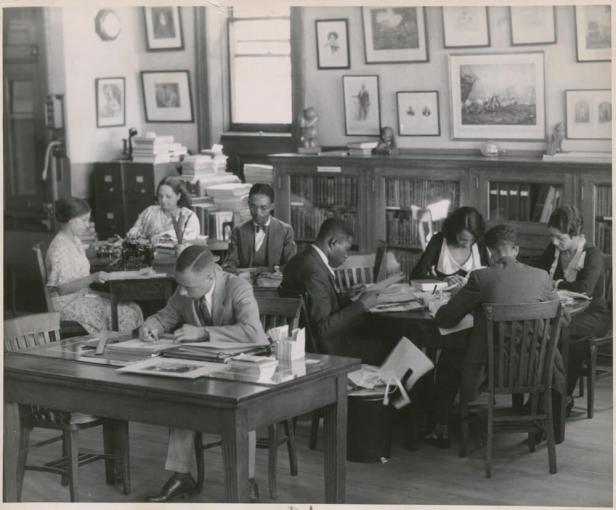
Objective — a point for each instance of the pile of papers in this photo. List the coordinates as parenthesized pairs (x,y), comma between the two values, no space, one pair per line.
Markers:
(255,173)
(201,164)
(198,184)
(157,149)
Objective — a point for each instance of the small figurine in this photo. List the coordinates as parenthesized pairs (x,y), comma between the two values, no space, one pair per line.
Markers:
(309,135)
(555,140)
(387,143)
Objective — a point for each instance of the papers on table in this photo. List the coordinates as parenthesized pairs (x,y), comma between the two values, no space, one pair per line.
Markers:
(397,307)
(170,367)
(382,285)
(138,346)
(568,296)
(131,275)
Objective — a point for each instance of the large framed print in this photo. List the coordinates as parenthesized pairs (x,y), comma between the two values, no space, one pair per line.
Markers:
(589,114)
(498,96)
(593,33)
(332,37)
(166,96)
(395,34)
(418,113)
(466,27)
(362,112)
(110,102)
(532,24)
(163,28)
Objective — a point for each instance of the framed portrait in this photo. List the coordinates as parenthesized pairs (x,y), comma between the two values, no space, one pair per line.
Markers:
(589,114)
(332,37)
(593,33)
(163,28)
(166,96)
(362,112)
(418,113)
(498,96)
(532,25)
(110,102)
(395,34)
(465,27)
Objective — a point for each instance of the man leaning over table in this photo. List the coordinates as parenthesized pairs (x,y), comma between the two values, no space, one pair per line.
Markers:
(208,305)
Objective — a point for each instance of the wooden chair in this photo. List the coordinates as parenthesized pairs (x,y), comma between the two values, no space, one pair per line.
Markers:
(32,330)
(521,341)
(273,311)
(355,270)
(425,227)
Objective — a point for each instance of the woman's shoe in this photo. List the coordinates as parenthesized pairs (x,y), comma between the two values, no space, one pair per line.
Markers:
(438,440)
(570,404)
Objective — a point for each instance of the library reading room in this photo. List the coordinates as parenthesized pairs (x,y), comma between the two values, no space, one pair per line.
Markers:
(308,253)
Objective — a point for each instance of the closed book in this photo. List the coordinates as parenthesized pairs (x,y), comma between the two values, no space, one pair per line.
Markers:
(366,144)
(427,285)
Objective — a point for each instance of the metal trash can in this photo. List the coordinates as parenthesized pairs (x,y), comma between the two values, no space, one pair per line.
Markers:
(369,426)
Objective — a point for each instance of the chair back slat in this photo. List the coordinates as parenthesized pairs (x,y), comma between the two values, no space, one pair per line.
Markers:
(356,269)
(278,311)
(607,287)
(31,330)
(40,249)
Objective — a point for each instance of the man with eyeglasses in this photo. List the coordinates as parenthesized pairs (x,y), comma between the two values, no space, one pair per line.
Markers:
(262,242)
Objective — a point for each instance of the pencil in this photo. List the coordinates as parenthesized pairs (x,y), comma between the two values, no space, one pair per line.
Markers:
(434,290)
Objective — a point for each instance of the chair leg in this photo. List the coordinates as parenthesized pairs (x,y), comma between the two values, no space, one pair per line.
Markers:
(199,457)
(581,386)
(123,453)
(72,439)
(549,432)
(592,369)
(22,458)
(314,429)
(289,429)
(463,428)
(273,459)
(110,448)
(64,477)
(490,439)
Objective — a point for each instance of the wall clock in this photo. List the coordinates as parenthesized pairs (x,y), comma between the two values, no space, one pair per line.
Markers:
(107,24)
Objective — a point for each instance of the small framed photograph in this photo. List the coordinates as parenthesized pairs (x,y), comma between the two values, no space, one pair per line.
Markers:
(395,34)
(466,27)
(532,25)
(362,112)
(163,28)
(498,96)
(593,33)
(110,102)
(166,96)
(332,43)
(589,114)
(418,113)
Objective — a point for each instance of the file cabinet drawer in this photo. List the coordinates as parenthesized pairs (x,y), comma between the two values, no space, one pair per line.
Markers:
(139,182)
(108,181)
(110,219)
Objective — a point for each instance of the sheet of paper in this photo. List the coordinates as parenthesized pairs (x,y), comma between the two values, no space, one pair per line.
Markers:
(131,275)
(467,322)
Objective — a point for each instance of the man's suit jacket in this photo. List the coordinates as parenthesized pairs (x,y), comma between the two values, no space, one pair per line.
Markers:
(280,244)
(235,314)
(508,281)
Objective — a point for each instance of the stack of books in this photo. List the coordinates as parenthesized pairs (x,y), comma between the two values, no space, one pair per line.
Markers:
(258,368)
(254,173)
(220,224)
(230,197)
(361,148)
(204,164)
(198,184)
(156,149)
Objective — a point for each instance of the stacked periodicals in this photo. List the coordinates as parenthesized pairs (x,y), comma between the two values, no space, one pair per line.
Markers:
(255,173)
(230,196)
(361,148)
(198,184)
(157,149)
(202,164)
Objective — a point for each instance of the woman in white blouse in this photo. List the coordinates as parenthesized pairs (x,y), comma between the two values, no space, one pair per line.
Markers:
(171,218)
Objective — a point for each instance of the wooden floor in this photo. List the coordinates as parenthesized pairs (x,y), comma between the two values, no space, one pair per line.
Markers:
(426,476)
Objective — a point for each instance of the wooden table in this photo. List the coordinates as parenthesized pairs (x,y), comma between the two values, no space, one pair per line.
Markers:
(229,408)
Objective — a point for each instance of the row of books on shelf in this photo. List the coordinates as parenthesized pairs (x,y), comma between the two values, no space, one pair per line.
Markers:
(419,192)
(603,236)
(306,222)
(523,202)
(603,202)
(214,224)
(402,230)
(325,190)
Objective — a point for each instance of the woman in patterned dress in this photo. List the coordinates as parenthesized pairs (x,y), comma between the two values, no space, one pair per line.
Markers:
(69,275)
(172,212)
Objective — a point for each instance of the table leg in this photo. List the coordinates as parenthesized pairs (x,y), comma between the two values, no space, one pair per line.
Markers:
(564,352)
(11,449)
(335,425)
(114,309)
(235,457)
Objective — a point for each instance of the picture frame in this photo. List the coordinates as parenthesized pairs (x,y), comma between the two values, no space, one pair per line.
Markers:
(163,28)
(362,111)
(110,97)
(498,96)
(466,27)
(418,113)
(167,96)
(395,34)
(593,39)
(588,114)
(532,25)
(332,39)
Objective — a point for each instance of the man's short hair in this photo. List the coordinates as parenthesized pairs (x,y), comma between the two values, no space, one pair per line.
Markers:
(501,235)
(195,257)
(262,189)
(333,227)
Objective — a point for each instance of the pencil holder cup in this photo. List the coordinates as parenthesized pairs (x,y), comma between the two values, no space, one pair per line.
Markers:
(287,350)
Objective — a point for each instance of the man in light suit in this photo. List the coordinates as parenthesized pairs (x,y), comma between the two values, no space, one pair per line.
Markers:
(263,241)
(208,305)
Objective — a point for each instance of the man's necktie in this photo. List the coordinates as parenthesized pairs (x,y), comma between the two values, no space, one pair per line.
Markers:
(204,313)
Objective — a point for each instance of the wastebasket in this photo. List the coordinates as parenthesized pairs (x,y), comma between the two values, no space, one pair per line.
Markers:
(369,426)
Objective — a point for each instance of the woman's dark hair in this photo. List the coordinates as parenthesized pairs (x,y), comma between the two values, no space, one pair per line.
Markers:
(463,218)
(178,186)
(567,219)
(68,208)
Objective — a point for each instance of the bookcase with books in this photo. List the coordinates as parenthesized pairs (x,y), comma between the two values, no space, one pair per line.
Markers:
(596,201)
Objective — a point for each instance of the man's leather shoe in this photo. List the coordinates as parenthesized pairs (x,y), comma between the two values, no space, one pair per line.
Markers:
(179,485)
(253,490)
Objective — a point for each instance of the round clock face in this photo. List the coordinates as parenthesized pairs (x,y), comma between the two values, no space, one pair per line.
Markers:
(107,24)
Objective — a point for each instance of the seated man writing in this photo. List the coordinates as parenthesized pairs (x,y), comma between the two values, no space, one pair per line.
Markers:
(208,305)
(506,281)
(262,242)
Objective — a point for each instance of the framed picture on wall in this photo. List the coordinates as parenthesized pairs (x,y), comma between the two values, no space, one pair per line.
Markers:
(418,113)
(362,113)
(110,102)
(589,114)
(332,37)
(166,96)
(395,34)
(498,96)
(532,25)
(593,33)
(163,28)
(465,27)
